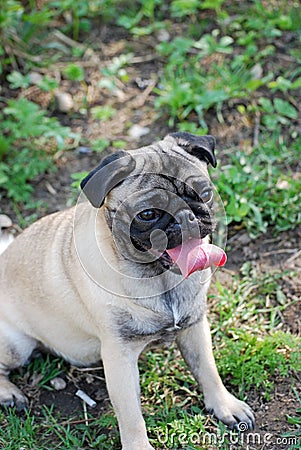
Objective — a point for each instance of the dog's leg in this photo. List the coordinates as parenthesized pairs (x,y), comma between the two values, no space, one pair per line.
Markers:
(196,348)
(122,379)
(15,349)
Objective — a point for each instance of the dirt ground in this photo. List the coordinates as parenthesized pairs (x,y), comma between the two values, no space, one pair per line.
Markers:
(134,103)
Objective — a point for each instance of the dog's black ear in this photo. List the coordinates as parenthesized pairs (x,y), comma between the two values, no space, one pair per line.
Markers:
(202,147)
(111,171)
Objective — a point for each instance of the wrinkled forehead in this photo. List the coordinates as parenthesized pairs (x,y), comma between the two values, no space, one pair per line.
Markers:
(158,173)
(170,161)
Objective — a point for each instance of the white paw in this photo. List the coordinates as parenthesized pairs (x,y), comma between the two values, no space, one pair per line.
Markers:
(232,412)
(11,396)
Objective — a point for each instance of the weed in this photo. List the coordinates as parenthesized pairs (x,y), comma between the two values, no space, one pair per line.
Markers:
(77,177)
(295,421)
(28,138)
(103,112)
(254,360)
(203,86)
(45,369)
(18,26)
(144,10)
(255,301)
(81,14)
(115,71)
(120,143)
(17,432)
(256,190)
(247,356)
(47,431)
(17,80)
(99,145)
(74,72)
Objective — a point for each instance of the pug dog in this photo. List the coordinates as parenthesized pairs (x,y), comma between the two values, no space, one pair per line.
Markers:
(127,268)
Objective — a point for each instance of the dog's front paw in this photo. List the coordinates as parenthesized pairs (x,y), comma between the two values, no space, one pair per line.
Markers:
(11,396)
(232,412)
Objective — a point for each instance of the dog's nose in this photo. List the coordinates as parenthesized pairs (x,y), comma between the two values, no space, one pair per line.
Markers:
(191,217)
(185,217)
(187,224)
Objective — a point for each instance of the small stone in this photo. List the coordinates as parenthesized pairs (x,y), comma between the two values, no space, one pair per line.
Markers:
(64,101)
(35,78)
(83,150)
(58,383)
(282,184)
(136,131)
(256,72)
(163,35)
(89,379)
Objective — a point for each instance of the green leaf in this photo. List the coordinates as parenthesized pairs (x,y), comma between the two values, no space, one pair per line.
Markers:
(296,84)
(17,80)
(100,144)
(74,72)
(103,112)
(4,169)
(285,108)
(4,145)
(266,104)
(181,8)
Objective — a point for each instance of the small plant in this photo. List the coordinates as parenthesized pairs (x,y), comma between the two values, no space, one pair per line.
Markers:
(183,8)
(204,85)
(17,80)
(81,13)
(74,72)
(251,361)
(276,113)
(246,302)
(256,190)
(295,420)
(103,112)
(115,71)
(176,432)
(149,11)
(21,431)
(28,139)
(18,26)
(45,369)
(99,145)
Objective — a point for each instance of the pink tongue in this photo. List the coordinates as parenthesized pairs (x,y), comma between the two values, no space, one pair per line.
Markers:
(194,255)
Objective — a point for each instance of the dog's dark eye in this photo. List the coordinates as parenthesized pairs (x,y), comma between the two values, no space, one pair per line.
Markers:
(149,215)
(206,196)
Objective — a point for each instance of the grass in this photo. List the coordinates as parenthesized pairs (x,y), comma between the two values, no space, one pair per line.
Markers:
(257,193)
(28,141)
(49,431)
